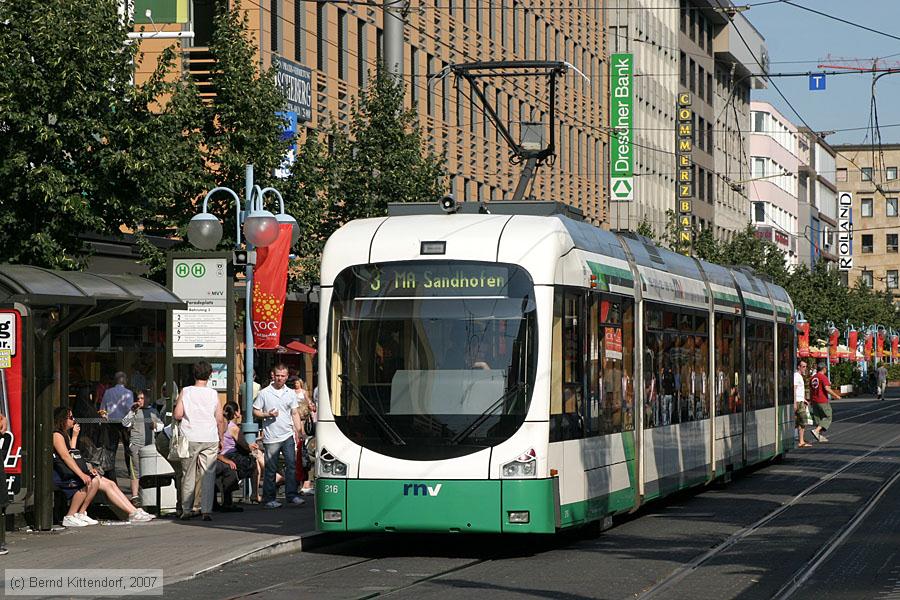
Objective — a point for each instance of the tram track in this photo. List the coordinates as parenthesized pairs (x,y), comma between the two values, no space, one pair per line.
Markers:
(665,585)
(385,577)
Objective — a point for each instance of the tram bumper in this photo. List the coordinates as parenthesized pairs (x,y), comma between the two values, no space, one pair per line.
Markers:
(451,506)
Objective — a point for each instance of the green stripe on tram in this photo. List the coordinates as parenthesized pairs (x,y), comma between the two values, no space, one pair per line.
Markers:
(608,275)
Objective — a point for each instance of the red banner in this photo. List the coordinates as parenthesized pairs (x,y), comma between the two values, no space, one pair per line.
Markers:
(803,339)
(11,353)
(879,345)
(867,345)
(270,289)
(852,342)
(895,346)
(832,345)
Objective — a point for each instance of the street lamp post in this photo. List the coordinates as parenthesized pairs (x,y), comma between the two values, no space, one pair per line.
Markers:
(261,228)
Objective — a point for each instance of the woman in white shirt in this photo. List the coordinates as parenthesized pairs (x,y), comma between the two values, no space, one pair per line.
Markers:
(202,423)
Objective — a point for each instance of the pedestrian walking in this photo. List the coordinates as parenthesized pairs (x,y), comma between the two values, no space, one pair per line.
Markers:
(116,403)
(278,406)
(801,406)
(881,376)
(820,390)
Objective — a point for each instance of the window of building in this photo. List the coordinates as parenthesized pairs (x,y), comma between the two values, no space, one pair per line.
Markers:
(891,173)
(692,74)
(866,278)
(445,98)
(759,120)
(701,37)
(275,14)
(891,242)
(709,136)
(759,212)
(759,166)
(379,48)
(414,75)
(701,134)
(478,16)
(342,44)
(362,68)
(709,88)
(684,17)
(322,36)
(701,82)
(890,207)
(299,30)
(891,279)
(865,174)
(701,184)
(867,243)
(865,207)
(693,25)
(682,69)
(709,39)
(841,174)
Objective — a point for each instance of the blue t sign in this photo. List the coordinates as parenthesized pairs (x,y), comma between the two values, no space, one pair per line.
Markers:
(817,82)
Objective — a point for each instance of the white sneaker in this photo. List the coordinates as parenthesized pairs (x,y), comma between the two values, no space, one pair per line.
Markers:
(87,520)
(273,504)
(73,521)
(144,512)
(297,500)
(139,517)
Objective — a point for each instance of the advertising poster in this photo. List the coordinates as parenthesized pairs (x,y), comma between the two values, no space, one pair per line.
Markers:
(11,397)
(270,290)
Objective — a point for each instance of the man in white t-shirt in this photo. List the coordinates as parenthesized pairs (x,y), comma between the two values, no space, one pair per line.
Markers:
(277,405)
(801,406)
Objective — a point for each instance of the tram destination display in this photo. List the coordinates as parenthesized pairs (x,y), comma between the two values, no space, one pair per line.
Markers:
(429,279)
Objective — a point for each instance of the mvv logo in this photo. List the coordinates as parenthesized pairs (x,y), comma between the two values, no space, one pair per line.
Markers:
(420,489)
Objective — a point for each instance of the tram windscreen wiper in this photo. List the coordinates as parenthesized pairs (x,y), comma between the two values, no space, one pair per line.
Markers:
(465,433)
(373,412)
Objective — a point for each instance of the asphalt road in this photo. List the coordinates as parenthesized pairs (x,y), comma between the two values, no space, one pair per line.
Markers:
(824,523)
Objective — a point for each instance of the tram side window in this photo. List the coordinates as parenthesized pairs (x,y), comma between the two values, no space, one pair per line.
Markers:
(785,364)
(676,363)
(567,416)
(760,364)
(611,364)
(727,382)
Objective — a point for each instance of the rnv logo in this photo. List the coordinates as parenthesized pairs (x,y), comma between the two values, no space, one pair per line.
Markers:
(420,489)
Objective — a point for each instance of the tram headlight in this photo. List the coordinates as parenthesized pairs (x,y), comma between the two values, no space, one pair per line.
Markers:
(329,465)
(524,466)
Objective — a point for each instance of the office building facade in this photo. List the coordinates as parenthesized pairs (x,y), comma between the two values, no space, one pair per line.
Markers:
(341,45)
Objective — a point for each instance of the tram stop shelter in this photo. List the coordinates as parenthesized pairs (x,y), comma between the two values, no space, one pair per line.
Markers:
(40,310)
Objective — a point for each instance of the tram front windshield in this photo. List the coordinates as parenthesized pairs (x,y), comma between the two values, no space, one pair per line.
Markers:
(431,360)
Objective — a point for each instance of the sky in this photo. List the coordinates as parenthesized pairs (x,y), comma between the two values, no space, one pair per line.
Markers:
(793,34)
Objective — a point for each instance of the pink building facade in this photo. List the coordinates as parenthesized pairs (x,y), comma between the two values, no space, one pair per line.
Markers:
(772,188)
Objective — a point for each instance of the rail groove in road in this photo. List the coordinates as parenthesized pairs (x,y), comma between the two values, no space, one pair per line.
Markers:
(666,584)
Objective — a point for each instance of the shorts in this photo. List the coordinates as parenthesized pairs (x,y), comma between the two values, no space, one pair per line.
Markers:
(821,412)
(135,467)
(67,486)
(801,415)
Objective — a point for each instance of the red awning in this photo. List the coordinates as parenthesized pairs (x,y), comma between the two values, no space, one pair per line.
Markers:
(298,346)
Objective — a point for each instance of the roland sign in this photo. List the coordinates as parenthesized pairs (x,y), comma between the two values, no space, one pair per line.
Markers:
(845,231)
(621,155)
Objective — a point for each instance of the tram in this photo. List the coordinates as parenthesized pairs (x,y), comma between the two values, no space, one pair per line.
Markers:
(514,369)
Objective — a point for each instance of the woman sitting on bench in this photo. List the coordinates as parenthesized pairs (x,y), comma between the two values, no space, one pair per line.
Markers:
(79,481)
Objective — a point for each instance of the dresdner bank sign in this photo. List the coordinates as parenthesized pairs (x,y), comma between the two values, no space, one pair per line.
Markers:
(621,156)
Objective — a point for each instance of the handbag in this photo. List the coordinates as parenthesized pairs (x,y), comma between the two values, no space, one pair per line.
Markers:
(65,472)
(309,426)
(178,447)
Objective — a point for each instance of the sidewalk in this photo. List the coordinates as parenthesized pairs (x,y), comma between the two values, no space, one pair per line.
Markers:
(183,549)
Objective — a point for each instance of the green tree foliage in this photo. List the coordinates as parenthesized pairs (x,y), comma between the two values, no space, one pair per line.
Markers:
(240,127)
(71,151)
(645,229)
(381,157)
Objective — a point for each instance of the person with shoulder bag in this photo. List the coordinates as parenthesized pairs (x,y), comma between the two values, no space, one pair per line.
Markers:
(202,424)
(80,482)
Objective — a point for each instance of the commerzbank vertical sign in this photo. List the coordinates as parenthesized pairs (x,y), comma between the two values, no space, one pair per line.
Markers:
(621,155)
